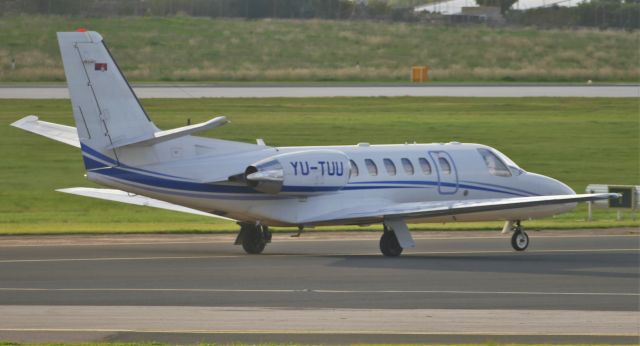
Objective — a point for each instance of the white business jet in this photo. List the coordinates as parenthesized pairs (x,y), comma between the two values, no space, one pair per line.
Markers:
(261,186)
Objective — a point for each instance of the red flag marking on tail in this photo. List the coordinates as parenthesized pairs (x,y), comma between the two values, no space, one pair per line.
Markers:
(101,66)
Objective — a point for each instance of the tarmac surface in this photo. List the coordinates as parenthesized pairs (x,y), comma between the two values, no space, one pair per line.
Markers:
(569,286)
(266,91)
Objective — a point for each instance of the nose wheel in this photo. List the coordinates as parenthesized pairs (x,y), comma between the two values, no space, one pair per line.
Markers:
(520,238)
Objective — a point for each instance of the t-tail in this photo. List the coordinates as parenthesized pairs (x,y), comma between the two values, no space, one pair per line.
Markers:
(106,110)
(113,127)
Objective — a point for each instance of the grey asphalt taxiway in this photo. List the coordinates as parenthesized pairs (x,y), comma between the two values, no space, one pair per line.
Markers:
(323,287)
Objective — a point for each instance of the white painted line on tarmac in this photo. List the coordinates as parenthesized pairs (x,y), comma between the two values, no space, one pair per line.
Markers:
(416,235)
(322,291)
(514,252)
(119,258)
(118,244)
(303,332)
(622,294)
(410,254)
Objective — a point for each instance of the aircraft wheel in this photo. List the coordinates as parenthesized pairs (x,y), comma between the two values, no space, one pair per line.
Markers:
(254,240)
(389,244)
(520,240)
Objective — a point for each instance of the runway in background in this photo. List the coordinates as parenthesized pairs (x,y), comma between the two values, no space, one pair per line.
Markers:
(277,90)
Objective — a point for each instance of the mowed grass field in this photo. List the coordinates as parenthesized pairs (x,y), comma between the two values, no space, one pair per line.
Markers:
(181,49)
(578,141)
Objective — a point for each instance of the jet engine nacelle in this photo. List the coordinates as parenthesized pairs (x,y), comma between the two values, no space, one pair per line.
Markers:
(300,173)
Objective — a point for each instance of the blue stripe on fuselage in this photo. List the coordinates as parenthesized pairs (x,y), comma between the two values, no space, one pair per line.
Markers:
(88,150)
(130,176)
(137,175)
(91,164)
(499,189)
(524,192)
(98,155)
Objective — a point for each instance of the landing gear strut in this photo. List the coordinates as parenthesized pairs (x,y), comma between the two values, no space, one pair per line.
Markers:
(253,237)
(389,245)
(520,238)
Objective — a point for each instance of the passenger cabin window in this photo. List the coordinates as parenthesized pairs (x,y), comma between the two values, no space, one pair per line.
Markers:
(425,166)
(495,165)
(371,167)
(389,166)
(408,166)
(444,165)
(354,172)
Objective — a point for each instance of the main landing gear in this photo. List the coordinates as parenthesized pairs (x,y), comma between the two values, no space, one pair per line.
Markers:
(520,238)
(389,245)
(253,237)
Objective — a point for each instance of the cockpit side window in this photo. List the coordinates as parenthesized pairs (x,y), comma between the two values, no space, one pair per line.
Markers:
(494,164)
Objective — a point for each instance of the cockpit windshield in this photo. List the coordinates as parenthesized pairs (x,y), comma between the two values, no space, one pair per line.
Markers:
(499,164)
(495,165)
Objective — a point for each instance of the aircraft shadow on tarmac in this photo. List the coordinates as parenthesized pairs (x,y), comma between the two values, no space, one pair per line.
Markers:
(614,264)
(604,265)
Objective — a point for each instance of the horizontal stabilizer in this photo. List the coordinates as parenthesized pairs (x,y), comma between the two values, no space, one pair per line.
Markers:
(61,133)
(125,197)
(162,136)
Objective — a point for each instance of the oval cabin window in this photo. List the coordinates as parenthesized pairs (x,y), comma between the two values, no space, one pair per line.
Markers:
(389,166)
(371,167)
(408,166)
(424,165)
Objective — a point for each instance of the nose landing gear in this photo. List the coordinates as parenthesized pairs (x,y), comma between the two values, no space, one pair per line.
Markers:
(520,238)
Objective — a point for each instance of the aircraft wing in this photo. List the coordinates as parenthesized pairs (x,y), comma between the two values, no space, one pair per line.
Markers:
(125,197)
(374,213)
(61,133)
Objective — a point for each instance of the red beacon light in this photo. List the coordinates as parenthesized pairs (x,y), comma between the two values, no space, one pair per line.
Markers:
(81,29)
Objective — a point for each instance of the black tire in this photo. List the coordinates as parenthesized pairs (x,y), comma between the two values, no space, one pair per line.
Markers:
(253,241)
(389,245)
(520,241)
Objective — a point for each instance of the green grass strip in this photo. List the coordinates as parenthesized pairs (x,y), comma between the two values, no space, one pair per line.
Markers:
(576,140)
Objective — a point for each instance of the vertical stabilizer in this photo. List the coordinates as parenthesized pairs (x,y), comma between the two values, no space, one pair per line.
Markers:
(105,108)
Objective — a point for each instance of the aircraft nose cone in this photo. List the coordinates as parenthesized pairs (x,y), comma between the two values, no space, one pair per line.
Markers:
(549,186)
(562,188)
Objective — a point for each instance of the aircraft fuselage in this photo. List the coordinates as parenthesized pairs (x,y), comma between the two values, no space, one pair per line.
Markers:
(372,174)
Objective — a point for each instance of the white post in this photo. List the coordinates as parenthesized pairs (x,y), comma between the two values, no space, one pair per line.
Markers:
(589,211)
(619,215)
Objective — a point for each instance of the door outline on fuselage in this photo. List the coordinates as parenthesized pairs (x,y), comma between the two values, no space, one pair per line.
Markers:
(445,186)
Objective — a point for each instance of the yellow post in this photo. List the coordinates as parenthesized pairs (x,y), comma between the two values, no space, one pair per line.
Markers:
(419,74)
